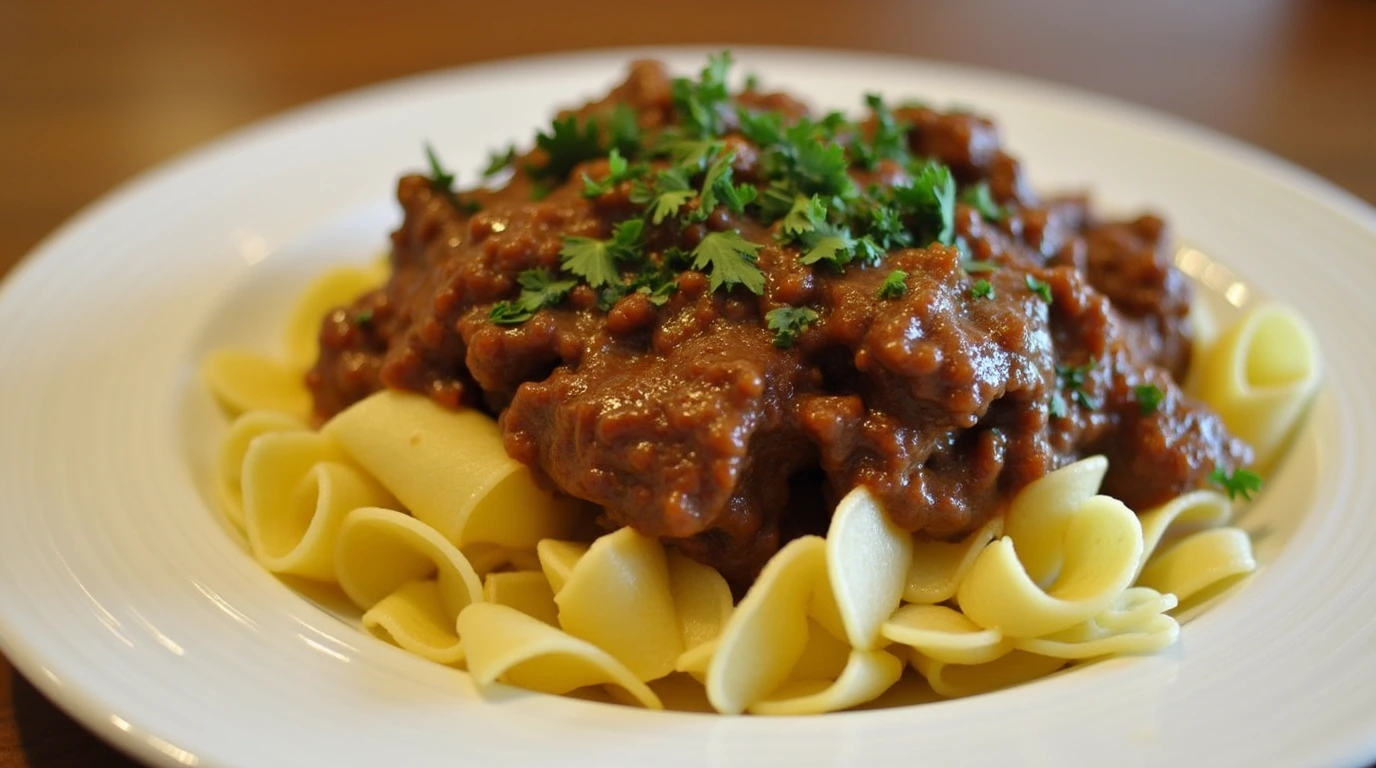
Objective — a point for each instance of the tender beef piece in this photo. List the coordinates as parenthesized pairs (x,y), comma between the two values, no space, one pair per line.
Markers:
(686,422)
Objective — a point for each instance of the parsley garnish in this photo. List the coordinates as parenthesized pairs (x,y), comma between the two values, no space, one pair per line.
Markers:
(894,285)
(596,260)
(499,161)
(665,197)
(930,197)
(1148,397)
(440,179)
(1057,406)
(1242,483)
(618,170)
(566,145)
(1039,287)
(1072,379)
(623,131)
(717,187)
(752,81)
(363,317)
(979,198)
(788,322)
(885,225)
(699,102)
(982,289)
(890,140)
(539,289)
(729,259)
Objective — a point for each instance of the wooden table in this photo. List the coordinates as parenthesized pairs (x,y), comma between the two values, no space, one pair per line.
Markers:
(93,92)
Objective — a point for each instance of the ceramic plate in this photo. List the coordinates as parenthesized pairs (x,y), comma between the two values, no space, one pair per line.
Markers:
(125,598)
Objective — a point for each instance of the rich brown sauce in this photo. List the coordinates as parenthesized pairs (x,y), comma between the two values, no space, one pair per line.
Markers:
(685,420)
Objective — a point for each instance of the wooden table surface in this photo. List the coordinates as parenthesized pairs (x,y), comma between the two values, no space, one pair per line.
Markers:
(93,92)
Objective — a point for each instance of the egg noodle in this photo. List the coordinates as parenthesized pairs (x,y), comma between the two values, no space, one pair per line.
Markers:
(453,553)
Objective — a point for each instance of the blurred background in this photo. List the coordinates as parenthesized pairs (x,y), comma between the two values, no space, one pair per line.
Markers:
(93,91)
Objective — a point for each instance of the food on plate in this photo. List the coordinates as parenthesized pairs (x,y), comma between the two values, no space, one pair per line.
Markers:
(700,344)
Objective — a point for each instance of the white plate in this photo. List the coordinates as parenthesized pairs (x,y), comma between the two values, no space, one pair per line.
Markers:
(125,598)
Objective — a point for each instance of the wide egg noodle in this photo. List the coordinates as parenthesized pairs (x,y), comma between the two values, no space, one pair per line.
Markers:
(378,551)
(702,599)
(243,381)
(1260,376)
(1200,562)
(867,674)
(695,661)
(618,598)
(450,469)
(1188,512)
(415,619)
(297,490)
(938,567)
(1040,513)
(335,289)
(557,559)
(766,634)
(501,643)
(1099,552)
(229,466)
(526,591)
(959,680)
(867,565)
(824,656)
(1134,624)
(945,634)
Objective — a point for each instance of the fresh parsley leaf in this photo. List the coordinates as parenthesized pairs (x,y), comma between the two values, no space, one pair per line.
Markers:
(1072,379)
(729,260)
(623,131)
(817,166)
(982,289)
(788,322)
(890,139)
(618,170)
(440,179)
(894,285)
(1148,397)
(1056,407)
(363,317)
(539,289)
(885,225)
(699,103)
(979,198)
(802,215)
(499,161)
(596,260)
(837,248)
(690,154)
(752,81)
(1039,287)
(539,191)
(764,129)
(1243,482)
(930,198)
(670,191)
(867,251)
(566,145)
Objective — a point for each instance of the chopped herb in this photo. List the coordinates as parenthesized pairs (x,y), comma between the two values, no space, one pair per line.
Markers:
(440,179)
(618,170)
(982,289)
(817,166)
(717,188)
(752,81)
(1148,397)
(596,260)
(499,161)
(979,198)
(894,285)
(539,191)
(1072,379)
(1242,483)
(885,225)
(566,145)
(1057,407)
(700,102)
(690,154)
(539,289)
(788,322)
(666,196)
(1039,287)
(974,267)
(623,131)
(890,139)
(363,317)
(764,129)
(930,198)
(729,260)
(802,215)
